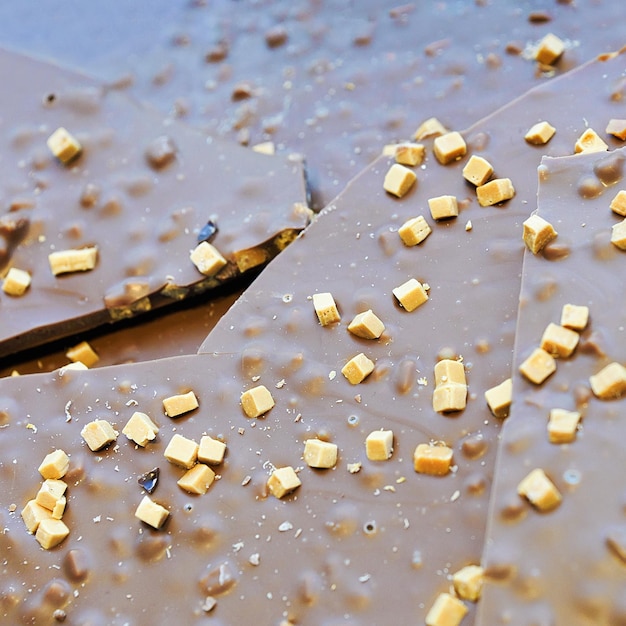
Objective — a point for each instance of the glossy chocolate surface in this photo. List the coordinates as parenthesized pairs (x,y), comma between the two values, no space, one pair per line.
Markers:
(558,567)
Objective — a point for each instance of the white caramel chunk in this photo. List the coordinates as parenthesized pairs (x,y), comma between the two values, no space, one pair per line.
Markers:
(562,425)
(211,450)
(179,404)
(560,342)
(67,261)
(590,141)
(609,382)
(549,50)
(446,611)
(33,514)
(433,459)
(265,147)
(181,451)
(55,464)
(449,371)
(431,127)
(325,308)
(256,401)
(366,325)
(495,191)
(59,508)
(140,429)
(51,532)
(207,259)
(411,294)
(618,204)
(410,154)
(574,316)
(398,180)
(73,367)
(540,133)
(197,480)
(468,582)
(537,233)
(98,434)
(499,398)
(83,353)
(449,147)
(477,170)
(151,513)
(414,231)
(443,207)
(357,369)
(538,366)
(16,282)
(618,235)
(320,454)
(449,398)
(539,490)
(63,145)
(379,445)
(617,128)
(283,481)
(50,492)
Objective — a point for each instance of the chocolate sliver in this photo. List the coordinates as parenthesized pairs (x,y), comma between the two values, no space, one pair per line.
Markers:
(140,191)
(565,565)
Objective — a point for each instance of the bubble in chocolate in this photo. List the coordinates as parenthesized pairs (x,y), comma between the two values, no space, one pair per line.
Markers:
(76,565)
(217,53)
(161,152)
(474,446)
(556,250)
(149,480)
(208,231)
(610,170)
(151,547)
(370,527)
(589,187)
(219,580)
(572,476)
(353,420)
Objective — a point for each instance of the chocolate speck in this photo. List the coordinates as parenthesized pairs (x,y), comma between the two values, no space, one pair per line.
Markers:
(276,36)
(161,152)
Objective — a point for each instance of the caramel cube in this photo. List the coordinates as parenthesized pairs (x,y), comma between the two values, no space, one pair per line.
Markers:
(539,490)
(549,50)
(414,231)
(410,154)
(477,170)
(197,480)
(609,382)
(446,611)
(449,147)
(449,371)
(435,460)
(618,204)
(83,353)
(357,369)
(540,133)
(562,425)
(33,514)
(50,492)
(325,308)
(617,128)
(398,180)
(538,366)
(283,481)
(16,282)
(51,532)
(560,342)
(495,191)
(537,233)
(256,401)
(379,445)
(181,451)
(63,145)
(98,434)
(59,508)
(574,316)
(411,294)
(366,325)
(590,141)
(140,429)
(55,464)
(151,513)
(207,259)
(320,454)
(449,397)
(67,261)
(431,127)
(179,404)
(211,450)
(468,582)
(499,398)
(618,235)
(443,207)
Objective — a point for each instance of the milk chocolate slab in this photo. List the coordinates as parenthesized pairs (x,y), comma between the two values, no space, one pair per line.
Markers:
(141,191)
(564,566)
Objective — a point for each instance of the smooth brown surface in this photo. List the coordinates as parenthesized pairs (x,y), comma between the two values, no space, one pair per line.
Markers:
(557,567)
